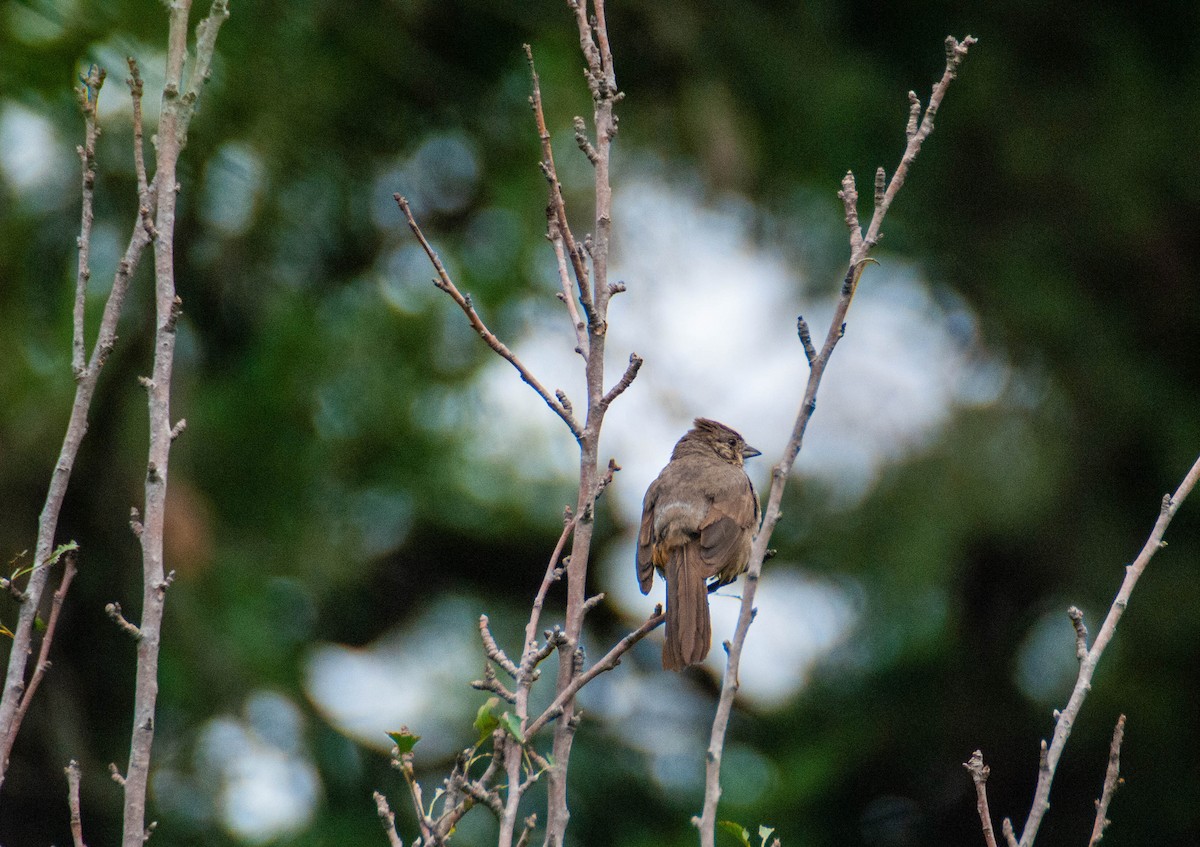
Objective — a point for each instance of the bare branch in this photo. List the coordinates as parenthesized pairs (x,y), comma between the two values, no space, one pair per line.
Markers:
(530,823)
(1081,633)
(72,770)
(388,818)
(446,284)
(492,684)
(860,247)
(956,51)
(113,610)
(89,93)
(805,334)
(635,364)
(1087,667)
(610,661)
(849,198)
(178,106)
(493,649)
(1112,779)
(553,574)
(979,774)
(43,660)
(560,228)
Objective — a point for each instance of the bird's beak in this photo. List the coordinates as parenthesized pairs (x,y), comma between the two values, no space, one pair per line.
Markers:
(749,452)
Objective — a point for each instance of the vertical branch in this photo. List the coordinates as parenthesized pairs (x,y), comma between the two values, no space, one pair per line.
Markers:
(177,107)
(979,774)
(388,818)
(72,770)
(89,94)
(593,39)
(860,247)
(583,276)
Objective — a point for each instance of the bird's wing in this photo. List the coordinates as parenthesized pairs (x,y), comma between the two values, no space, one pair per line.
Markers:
(645,562)
(724,531)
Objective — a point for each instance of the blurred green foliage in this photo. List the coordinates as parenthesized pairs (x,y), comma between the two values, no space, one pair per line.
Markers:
(321,491)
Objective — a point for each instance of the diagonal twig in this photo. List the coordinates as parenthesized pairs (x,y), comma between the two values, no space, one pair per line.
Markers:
(446,284)
(1087,667)
(1112,779)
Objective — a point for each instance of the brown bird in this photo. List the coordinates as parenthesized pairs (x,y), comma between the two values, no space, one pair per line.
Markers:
(698,519)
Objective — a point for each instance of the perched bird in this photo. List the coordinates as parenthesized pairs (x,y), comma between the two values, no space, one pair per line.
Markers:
(698,519)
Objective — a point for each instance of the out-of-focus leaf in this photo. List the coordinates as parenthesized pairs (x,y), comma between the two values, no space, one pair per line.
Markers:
(486,720)
(737,831)
(404,740)
(512,726)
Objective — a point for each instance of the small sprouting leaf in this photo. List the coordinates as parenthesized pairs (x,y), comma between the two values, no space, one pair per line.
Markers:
(485,719)
(60,550)
(764,832)
(513,726)
(737,831)
(404,740)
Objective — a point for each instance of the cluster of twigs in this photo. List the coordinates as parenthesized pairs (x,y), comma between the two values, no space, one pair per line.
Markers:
(155,225)
(585,291)
(1064,720)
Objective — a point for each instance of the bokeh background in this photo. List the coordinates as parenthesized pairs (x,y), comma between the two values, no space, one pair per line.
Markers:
(361,477)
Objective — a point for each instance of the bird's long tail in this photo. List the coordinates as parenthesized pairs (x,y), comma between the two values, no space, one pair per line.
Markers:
(689,630)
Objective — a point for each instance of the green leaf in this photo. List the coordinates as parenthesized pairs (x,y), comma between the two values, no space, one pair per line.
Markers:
(404,740)
(485,719)
(60,549)
(737,831)
(764,832)
(513,726)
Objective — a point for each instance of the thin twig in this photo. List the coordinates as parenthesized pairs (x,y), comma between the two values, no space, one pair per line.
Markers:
(979,774)
(593,39)
(530,823)
(43,660)
(1112,779)
(560,228)
(707,820)
(635,364)
(178,106)
(1087,667)
(610,661)
(89,93)
(805,334)
(494,685)
(1081,633)
(493,649)
(388,818)
(72,770)
(1010,837)
(956,51)
(553,574)
(446,284)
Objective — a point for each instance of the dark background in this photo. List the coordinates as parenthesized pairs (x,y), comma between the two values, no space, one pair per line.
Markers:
(1058,197)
